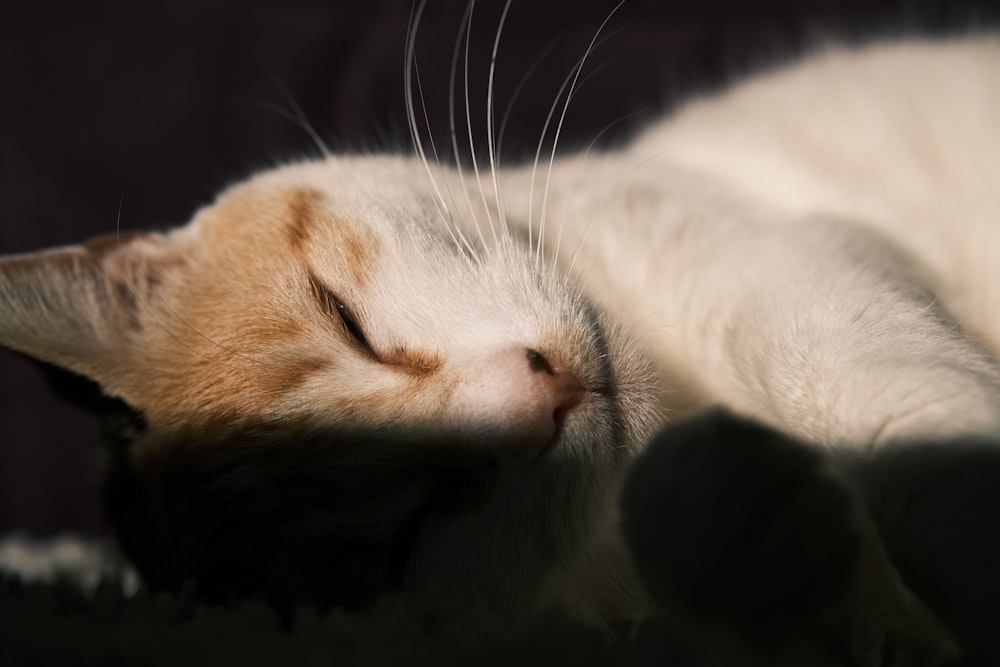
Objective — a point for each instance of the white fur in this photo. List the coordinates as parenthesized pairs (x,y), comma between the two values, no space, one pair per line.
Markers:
(813,248)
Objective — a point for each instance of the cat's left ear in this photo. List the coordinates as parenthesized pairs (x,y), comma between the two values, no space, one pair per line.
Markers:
(79,307)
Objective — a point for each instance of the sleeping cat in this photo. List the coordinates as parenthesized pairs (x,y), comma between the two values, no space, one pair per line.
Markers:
(376,373)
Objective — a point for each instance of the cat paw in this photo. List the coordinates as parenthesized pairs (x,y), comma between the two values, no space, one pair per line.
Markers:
(731,522)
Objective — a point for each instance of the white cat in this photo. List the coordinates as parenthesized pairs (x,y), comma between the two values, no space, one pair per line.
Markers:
(371,373)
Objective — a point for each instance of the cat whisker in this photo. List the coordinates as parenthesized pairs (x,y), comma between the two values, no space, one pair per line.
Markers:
(586,154)
(494,158)
(454,229)
(299,115)
(573,73)
(296,116)
(559,125)
(538,154)
(411,70)
(281,112)
(463,26)
(468,122)
(517,93)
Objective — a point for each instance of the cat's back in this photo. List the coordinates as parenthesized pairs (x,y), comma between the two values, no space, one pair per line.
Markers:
(902,136)
(865,125)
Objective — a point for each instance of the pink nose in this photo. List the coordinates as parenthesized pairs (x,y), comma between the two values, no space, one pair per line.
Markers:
(517,398)
(560,391)
(541,396)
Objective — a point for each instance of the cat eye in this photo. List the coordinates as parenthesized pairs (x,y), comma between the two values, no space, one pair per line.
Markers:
(335,307)
(352,326)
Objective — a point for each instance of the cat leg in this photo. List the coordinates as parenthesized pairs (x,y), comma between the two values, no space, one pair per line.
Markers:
(937,508)
(752,538)
(829,334)
(832,334)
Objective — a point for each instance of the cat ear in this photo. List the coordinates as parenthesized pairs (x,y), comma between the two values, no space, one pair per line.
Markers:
(79,307)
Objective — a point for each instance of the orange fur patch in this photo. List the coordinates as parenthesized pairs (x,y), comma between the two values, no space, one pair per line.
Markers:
(415,362)
(357,256)
(234,335)
(303,205)
(308,214)
(285,377)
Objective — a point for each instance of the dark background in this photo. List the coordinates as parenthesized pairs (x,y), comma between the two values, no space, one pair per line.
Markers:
(150,108)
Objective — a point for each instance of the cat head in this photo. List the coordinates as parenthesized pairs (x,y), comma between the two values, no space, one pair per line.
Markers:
(325,386)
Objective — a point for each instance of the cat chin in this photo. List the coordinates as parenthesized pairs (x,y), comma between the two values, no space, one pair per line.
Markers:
(544,537)
(338,518)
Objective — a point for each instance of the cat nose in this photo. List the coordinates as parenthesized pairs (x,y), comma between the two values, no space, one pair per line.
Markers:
(560,387)
(551,394)
(517,398)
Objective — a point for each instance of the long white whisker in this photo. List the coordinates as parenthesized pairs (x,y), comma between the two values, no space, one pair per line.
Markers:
(411,112)
(489,119)
(451,120)
(559,126)
(453,227)
(541,143)
(468,125)
(545,127)
(538,149)
(412,70)
(517,93)
(590,75)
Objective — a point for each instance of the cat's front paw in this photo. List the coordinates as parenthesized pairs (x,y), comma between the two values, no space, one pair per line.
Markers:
(735,526)
(730,521)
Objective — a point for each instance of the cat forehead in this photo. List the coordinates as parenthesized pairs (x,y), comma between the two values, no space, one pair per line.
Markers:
(368,194)
(371,231)
(342,213)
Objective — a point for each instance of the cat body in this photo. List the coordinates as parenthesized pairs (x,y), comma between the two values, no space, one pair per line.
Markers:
(370,373)
(872,199)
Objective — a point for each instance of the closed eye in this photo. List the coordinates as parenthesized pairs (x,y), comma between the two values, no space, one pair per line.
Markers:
(334,307)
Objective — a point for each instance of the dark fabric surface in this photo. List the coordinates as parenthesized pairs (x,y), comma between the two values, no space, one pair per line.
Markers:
(55,624)
(137,112)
